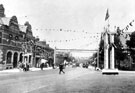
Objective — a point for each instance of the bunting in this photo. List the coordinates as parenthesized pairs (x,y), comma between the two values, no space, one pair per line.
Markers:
(64,30)
(74,39)
(128,26)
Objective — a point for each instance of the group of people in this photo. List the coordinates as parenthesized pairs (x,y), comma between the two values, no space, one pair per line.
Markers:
(61,65)
(23,66)
(43,61)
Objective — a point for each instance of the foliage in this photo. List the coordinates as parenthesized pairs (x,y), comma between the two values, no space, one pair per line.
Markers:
(131,45)
(101,53)
(63,56)
(119,55)
(101,50)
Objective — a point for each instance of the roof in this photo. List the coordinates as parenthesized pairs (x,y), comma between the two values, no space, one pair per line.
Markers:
(5,20)
(43,45)
(1,6)
(40,44)
(23,28)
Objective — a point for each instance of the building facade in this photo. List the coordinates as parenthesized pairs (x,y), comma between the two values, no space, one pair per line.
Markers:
(42,50)
(17,43)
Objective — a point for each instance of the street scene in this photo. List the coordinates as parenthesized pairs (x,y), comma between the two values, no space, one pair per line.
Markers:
(66,46)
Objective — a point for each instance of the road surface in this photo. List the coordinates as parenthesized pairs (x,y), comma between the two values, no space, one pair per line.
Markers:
(75,80)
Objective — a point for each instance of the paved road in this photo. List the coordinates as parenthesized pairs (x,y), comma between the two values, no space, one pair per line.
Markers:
(76,80)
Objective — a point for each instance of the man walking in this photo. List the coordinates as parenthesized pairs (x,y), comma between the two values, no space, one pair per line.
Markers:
(61,67)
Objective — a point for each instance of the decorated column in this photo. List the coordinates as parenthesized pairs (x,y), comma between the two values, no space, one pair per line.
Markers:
(112,52)
(106,51)
(109,66)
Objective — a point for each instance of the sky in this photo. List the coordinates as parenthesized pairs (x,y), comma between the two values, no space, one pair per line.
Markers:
(47,17)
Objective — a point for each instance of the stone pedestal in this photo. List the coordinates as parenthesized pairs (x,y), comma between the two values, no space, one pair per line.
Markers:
(110,71)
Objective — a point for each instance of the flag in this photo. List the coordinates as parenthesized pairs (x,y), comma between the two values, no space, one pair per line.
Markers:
(107,15)
(130,24)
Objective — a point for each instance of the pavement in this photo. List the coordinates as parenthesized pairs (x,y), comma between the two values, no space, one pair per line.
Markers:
(15,70)
(20,70)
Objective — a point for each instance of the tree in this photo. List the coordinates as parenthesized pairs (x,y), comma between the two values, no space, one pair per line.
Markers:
(119,54)
(131,45)
(101,53)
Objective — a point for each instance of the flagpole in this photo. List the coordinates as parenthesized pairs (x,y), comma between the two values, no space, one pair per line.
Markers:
(108,22)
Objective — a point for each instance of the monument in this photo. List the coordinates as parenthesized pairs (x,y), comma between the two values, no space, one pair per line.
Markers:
(109,60)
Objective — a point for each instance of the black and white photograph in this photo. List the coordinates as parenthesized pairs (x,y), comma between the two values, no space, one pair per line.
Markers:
(67,46)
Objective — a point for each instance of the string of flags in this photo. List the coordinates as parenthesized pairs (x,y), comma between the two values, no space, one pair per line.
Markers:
(90,43)
(126,29)
(92,35)
(128,26)
(73,39)
(63,30)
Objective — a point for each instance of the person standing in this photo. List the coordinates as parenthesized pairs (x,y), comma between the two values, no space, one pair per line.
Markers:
(20,65)
(65,63)
(43,61)
(25,65)
(53,66)
(61,67)
(42,64)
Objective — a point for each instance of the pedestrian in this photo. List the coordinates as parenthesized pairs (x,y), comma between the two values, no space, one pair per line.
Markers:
(27,67)
(24,66)
(42,64)
(20,65)
(65,62)
(61,67)
(43,61)
(53,66)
